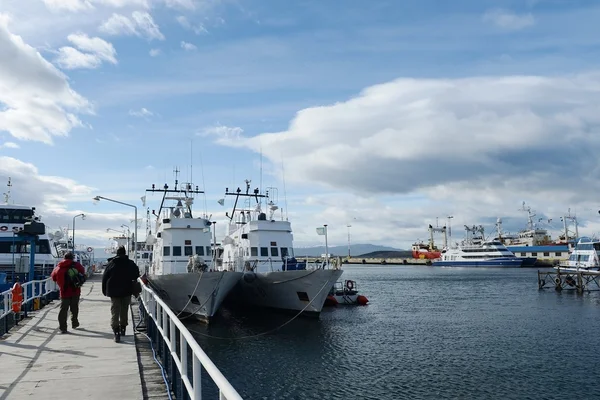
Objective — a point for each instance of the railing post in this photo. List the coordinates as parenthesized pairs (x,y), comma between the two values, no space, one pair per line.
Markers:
(197,371)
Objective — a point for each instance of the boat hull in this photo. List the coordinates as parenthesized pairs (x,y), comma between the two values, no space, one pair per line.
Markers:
(528,262)
(199,294)
(288,291)
(495,263)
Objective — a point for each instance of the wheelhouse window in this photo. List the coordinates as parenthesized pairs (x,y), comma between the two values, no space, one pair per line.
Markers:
(10,216)
(284,252)
(199,250)
(274,252)
(208,251)
(166,251)
(188,250)
(254,251)
(264,252)
(176,251)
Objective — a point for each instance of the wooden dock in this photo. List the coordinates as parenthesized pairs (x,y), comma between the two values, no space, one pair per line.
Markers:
(569,279)
(37,361)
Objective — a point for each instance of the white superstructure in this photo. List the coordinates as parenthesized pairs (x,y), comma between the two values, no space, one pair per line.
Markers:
(181,267)
(262,247)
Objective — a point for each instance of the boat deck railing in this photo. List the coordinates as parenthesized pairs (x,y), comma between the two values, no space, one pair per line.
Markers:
(181,355)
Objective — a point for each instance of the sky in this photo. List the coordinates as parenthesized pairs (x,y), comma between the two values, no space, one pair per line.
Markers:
(386,116)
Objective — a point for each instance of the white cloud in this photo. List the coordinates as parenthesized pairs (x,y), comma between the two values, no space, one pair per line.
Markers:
(93,52)
(181,4)
(9,145)
(154,52)
(225,135)
(508,20)
(423,135)
(36,101)
(186,24)
(143,112)
(68,5)
(188,46)
(85,5)
(140,24)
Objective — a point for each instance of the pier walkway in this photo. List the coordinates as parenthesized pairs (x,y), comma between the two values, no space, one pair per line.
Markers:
(37,361)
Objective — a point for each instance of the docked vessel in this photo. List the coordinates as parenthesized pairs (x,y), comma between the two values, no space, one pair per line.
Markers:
(475,251)
(585,256)
(15,251)
(429,251)
(182,269)
(262,248)
(345,293)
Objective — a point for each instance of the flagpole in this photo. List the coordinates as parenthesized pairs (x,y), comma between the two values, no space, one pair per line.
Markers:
(326,247)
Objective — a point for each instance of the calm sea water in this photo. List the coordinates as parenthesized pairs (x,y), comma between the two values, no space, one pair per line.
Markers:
(438,333)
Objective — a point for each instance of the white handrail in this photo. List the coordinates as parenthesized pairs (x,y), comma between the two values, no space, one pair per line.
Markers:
(28,293)
(163,316)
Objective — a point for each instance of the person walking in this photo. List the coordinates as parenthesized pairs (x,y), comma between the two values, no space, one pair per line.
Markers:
(117,283)
(69,293)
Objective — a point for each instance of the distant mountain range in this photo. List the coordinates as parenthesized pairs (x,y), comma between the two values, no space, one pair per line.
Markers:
(356,250)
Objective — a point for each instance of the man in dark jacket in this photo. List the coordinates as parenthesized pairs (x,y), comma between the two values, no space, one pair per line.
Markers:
(117,282)
(69,295)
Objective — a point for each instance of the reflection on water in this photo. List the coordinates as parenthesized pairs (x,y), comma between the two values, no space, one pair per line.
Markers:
(426,333)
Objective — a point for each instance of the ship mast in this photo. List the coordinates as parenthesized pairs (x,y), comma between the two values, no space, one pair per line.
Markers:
(7,194)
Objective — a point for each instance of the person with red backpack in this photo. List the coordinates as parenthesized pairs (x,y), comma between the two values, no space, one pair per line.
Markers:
(68,274)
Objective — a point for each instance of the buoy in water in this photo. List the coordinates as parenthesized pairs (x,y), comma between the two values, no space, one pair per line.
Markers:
(362,300)
(331,301)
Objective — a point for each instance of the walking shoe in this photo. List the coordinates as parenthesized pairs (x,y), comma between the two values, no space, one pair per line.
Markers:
(123,328)
(75,325)
(117,337)
(64,331)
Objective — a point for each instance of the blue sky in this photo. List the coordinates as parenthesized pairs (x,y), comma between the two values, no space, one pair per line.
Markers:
(383,114)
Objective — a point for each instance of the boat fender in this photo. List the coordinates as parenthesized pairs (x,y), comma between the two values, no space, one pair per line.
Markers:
(350,285)
(249,277)
(362,300)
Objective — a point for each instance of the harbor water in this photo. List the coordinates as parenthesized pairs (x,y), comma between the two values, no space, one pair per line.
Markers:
(436,333)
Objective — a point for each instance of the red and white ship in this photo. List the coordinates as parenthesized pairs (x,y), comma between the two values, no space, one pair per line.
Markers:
(429,251)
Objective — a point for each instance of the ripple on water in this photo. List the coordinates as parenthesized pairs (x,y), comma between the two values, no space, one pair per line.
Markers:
(435,333)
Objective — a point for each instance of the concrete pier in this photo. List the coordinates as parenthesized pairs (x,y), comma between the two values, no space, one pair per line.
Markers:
(37,361)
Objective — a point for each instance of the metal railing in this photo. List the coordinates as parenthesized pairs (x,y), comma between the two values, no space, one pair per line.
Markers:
(38,289)
(183,350)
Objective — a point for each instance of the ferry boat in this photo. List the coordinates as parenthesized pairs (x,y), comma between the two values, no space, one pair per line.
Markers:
(262,248)
(475,251)
(182,270)
(585,256)
(14,250)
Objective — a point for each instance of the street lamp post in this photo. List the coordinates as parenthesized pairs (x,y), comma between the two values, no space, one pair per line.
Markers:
(98,198)
(450,230)
(326,247)
(82,217)
(349,226)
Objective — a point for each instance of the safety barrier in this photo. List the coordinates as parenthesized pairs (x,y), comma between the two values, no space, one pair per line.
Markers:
(44,290)
(180,354)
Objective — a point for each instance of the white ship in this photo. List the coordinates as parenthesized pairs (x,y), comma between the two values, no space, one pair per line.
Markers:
(475,251)
(262,248)
(182,269)
(15,252)
(585,256)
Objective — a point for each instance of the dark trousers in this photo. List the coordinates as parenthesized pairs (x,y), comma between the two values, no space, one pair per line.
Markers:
(119,310)
(67,303)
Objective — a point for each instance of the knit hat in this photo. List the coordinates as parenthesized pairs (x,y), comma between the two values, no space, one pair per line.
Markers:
(69,256)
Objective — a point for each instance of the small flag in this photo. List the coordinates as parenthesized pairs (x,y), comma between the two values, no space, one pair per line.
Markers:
(221,201)
(143,198)
(321,231)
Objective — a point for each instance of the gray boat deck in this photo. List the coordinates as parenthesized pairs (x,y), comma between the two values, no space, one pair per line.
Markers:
(37,361)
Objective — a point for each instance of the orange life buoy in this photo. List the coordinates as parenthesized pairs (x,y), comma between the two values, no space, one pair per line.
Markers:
(350,285)
(17,297)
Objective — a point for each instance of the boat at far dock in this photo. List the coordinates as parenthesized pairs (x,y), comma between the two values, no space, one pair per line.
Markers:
(475,251)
